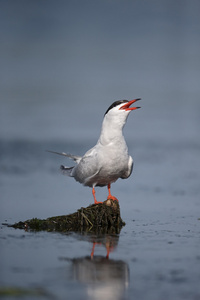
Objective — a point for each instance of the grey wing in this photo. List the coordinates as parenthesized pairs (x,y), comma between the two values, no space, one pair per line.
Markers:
(87,168)
(128,172)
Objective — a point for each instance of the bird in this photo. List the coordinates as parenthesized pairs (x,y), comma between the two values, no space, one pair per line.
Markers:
(108,160)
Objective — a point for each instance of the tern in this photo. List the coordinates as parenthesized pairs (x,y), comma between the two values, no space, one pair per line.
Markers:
(108,160)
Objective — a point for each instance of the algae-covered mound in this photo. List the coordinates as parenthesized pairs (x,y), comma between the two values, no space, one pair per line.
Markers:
(102,216)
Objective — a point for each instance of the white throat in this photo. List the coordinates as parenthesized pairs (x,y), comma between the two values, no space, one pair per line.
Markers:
(112,128)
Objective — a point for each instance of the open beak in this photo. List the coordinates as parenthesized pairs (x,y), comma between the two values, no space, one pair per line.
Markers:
(128,104)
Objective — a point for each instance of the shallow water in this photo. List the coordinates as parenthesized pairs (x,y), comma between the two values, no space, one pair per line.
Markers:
(63,66)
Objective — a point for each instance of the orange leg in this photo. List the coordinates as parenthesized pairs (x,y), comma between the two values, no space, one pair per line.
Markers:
(109,194)
(95,200)
(108,252)
(93,248)
(92,253)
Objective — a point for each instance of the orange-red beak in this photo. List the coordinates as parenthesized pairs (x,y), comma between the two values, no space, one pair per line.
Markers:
(128,104)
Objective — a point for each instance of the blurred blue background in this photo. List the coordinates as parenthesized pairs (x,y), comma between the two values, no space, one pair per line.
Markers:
(63,63)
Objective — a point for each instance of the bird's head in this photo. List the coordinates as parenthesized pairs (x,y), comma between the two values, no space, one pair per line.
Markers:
(119,110)
(115,119)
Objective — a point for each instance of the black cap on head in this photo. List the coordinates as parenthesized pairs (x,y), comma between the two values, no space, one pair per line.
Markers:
(115,104)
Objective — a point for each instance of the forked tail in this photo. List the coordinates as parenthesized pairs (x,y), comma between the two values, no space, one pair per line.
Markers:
(66,170)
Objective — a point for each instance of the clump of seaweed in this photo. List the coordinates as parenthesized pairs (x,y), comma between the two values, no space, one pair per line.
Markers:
(103,217)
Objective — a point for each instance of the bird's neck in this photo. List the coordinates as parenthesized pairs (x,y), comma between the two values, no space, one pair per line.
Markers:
(111,131)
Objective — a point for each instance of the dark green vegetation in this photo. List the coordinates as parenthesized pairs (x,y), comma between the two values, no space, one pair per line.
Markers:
(103,217)
(22,292)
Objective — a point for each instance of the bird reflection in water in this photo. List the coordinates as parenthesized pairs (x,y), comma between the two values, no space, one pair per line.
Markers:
(103,277)
(109,242)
